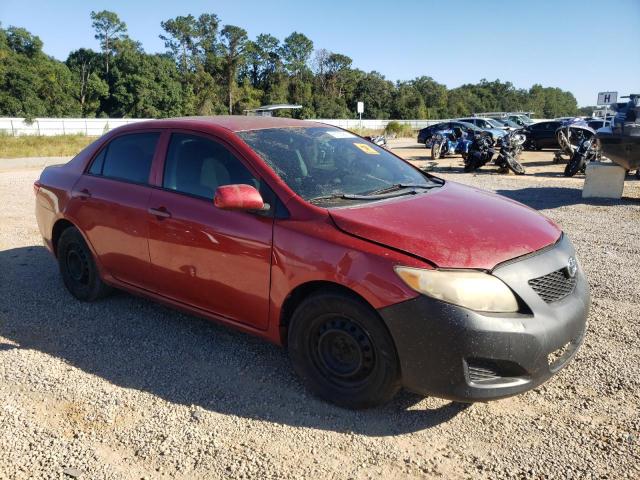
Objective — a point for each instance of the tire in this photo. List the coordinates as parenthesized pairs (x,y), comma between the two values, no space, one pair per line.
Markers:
(78,268)
(436,149)
(514,165)
(576,163)
(342,351)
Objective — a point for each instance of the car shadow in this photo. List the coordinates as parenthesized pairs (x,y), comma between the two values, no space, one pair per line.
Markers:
(138,344)
(543,198)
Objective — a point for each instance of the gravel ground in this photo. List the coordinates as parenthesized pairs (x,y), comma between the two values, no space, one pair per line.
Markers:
(125,388)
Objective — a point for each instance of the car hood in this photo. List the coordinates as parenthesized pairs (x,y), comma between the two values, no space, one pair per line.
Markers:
(497,132)
(452,226)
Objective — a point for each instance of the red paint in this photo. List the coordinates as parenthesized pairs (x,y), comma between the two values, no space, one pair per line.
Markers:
(238,197)
(454,226)
(233,264)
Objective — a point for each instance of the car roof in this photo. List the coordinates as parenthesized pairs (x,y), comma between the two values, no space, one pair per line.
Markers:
(234,123)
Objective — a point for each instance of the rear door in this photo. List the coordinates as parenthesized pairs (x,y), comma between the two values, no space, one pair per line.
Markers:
(110,205)
(212,259)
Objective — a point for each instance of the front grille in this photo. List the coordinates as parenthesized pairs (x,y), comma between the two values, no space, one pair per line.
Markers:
(478,373)
(485,370)
(553,286)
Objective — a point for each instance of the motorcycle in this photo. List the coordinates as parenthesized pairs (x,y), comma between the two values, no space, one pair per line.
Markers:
(586,149)
(449,142)
(510,149)
(379,140)
(569,136)
(481,151)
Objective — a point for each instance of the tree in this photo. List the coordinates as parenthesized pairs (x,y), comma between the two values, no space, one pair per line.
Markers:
(181,39)
(434,95)
(31,83)
(89,87)
(108,28)
(408,102)
(296,51)
(376,93)
(234,40)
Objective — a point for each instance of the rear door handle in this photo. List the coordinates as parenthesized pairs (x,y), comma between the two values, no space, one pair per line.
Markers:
(83,194)
(159,212)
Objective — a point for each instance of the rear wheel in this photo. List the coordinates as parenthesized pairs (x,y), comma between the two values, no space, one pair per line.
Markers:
(342,351)
(78,268)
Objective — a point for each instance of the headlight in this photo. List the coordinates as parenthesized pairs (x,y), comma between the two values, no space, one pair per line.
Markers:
(467,288)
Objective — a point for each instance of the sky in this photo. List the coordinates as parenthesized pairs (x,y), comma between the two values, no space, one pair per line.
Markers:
(583,46)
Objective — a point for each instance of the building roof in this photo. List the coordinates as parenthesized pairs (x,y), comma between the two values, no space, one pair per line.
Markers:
(271,108)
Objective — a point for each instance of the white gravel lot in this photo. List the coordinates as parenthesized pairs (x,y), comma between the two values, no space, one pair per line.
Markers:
(125,388)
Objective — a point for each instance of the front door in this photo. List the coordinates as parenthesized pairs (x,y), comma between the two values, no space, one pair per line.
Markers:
(212,259)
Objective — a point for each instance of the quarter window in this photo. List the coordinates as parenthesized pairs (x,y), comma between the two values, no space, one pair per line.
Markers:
(128,157)
(198,166)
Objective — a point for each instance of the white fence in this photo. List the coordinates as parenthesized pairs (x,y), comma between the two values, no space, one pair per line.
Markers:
(62,126)
(375,124)
(98,126)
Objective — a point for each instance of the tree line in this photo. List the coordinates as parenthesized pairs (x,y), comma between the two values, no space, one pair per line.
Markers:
(210,68)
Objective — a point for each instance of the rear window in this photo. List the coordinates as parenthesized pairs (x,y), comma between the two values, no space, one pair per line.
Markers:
(127,157)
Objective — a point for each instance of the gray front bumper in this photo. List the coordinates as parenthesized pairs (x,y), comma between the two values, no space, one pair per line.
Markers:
(453,352)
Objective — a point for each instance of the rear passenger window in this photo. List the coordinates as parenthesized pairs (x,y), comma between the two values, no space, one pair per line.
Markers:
(198,166)
(127,158)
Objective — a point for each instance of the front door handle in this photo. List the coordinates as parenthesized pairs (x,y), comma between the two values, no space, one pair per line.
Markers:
(160,212)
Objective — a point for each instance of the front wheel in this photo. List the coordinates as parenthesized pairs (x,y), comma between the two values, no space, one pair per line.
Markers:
(514,165)
(78,268)
(342,351)
(576,163)
(436,149)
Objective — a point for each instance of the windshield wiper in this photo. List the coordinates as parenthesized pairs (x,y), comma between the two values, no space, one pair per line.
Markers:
(335,196)
(400,186)
(368,196)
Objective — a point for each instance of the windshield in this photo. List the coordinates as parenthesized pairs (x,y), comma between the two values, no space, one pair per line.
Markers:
(467,125)
(507,122)
(522,119)
(494,123)
(323,164)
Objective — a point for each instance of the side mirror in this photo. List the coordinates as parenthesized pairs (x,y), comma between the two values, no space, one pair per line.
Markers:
(238,197)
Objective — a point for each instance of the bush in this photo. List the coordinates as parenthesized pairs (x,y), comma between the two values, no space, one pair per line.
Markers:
(399,129)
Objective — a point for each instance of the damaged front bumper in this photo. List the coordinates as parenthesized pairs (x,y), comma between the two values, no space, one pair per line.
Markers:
(455,353)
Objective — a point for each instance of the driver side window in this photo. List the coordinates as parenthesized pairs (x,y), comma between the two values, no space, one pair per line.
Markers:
(198,166)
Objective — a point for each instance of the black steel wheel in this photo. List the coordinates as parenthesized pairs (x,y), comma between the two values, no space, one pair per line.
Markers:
(78,268)
(342,351)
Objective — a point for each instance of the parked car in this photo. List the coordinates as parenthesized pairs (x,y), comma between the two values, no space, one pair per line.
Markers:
(542,135)
(425,135)
(313,238)
(508,123)
(597,123)
(486,123)
(520,119)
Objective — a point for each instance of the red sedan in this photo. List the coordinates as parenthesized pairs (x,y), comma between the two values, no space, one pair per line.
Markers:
(374,274)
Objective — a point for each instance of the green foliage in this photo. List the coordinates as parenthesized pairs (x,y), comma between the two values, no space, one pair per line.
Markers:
(208,70)
(399,129)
